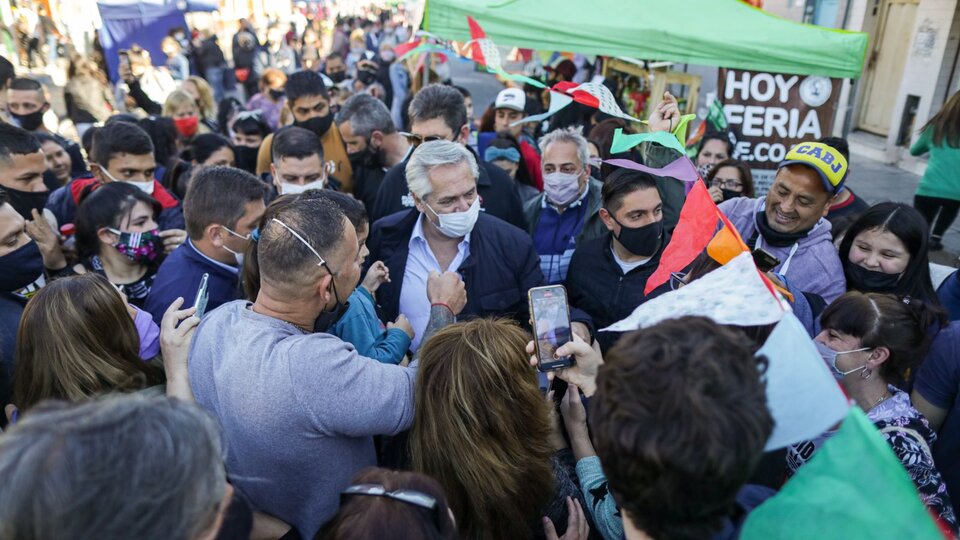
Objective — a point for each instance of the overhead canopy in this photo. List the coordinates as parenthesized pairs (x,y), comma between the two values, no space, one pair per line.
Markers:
(727,33)
(144,23)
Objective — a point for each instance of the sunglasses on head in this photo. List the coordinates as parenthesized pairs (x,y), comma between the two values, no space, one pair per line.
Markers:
(416,140)
(407,496)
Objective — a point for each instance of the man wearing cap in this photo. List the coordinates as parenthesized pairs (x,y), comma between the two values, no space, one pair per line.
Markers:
(789,222)
(509,107)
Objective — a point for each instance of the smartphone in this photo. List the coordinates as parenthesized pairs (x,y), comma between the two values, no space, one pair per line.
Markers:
(764,260)
(201,301)
(550,315)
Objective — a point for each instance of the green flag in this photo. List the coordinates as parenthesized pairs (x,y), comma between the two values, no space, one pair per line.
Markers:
(623,142)
(853,488)
(715,115)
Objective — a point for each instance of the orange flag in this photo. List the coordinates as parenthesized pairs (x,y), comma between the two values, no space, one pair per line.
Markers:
(727,243)
(696,226)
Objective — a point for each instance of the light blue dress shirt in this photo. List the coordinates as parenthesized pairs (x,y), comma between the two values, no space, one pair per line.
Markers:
(420,262)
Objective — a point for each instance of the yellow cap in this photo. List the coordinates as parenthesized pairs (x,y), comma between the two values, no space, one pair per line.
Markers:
(826,160)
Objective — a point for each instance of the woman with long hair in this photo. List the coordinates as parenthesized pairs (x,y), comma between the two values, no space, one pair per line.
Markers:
(871,342)
(490,448)
(938,195)
(186,115)
(201,92)
(77,339)
(886,251)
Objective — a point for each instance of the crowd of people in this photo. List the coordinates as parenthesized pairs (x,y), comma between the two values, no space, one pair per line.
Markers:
(289,297)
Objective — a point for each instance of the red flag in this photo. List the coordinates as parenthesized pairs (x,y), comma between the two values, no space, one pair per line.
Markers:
(695,229)
(404,48)
(476,33)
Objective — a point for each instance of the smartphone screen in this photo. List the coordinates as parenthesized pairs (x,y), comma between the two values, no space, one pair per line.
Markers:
(551,325)
(201,301)
(764,260)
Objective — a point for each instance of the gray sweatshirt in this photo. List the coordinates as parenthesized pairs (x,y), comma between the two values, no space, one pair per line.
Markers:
(298,411)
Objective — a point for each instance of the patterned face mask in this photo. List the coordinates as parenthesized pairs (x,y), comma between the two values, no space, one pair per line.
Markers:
(142,247)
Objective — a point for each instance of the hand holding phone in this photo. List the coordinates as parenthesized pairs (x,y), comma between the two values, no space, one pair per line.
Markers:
(202,296)
(550,316)
(764,260)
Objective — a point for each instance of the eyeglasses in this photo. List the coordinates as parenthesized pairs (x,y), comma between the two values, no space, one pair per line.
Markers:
(727,183)
(407,496)
(416,140)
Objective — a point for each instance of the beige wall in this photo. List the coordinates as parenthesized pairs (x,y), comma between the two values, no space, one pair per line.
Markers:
(928,43)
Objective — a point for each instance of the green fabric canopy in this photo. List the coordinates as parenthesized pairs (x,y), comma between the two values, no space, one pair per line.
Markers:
(726,33)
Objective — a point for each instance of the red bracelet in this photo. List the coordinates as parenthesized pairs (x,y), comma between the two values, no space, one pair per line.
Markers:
(441,304)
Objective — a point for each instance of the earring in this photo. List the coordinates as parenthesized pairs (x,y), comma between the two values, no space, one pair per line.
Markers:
(866,374)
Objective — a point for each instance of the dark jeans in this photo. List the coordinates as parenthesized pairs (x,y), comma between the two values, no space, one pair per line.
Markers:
(938,212)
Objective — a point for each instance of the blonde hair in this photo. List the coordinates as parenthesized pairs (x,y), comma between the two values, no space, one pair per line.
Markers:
(77,340)
(177,99)
(208,106)
(481,428)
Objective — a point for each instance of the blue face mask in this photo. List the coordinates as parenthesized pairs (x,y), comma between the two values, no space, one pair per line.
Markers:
(20,267)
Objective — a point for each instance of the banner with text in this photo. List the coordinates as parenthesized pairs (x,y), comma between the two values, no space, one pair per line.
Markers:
(772,112)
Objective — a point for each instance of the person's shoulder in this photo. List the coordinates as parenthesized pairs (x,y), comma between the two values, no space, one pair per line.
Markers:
(738,206)
(505,232)
(397,173)
(532,204)
(947,341)
(397,221)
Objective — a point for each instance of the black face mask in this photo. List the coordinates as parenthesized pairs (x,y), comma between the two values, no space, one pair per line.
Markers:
(641,241)
(29,122)
(20,267)
(277,94)
(329,318)
(776,238)
(246,158)
(337,76)
(24,201)
(318,124)
(368,158)
(863,280)
(366,77)
(730,194)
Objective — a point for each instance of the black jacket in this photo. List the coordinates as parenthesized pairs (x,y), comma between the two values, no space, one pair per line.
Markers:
(498,196)
(366,183)
(596,284)
(501,268)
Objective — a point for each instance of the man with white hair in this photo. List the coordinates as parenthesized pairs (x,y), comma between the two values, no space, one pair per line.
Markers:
(568,210)
(446,232)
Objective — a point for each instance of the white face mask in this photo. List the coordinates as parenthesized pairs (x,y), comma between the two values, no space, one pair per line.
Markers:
(458,224)
(293,189)
(561,188)
(146,186)
(238,255)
